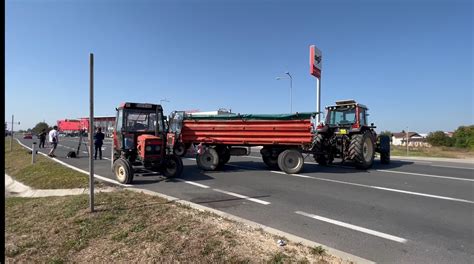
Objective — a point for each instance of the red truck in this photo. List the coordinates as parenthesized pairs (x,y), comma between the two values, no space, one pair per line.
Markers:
(283,137)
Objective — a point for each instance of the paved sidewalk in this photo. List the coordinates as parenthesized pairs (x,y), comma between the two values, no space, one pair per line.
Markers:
(18,189)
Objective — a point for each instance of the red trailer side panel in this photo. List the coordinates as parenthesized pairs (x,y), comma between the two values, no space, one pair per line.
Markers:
(247,132)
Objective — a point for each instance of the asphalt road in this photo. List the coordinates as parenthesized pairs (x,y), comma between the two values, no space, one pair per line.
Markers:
(405,212)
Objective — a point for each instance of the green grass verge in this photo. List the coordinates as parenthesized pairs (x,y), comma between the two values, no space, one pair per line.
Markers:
(133,227)
(439,152)
(44,174)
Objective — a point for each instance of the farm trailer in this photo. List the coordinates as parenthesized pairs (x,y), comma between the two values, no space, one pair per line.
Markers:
(284,138)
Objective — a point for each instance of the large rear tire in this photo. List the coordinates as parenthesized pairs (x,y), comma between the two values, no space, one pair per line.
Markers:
(290,161)
(209,160)
(123,171)
(172,167)
(362,150)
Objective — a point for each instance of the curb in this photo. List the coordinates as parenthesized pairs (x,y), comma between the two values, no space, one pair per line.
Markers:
(464,161)
(273,231)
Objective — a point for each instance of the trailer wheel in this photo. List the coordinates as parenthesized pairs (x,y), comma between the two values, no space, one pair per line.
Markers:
(290,161)
(224,157)
(362,150)
(179,149)
(123,170)
(173,166)
(209,160)
(271,162)
(385,157)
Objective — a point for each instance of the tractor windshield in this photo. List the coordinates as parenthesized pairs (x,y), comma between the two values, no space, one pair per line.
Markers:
(139,120)
(341,116)
(176,121)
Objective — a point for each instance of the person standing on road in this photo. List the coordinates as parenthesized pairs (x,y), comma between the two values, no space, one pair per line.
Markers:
(53,139)
(98,141)
(42,138)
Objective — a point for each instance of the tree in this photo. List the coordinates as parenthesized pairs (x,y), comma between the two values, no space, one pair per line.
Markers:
(463,137)
(386,133)
(439,138)
(39,127)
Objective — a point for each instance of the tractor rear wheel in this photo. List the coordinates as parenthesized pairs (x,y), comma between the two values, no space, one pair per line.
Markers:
(172,167)
(209,160)
(385,157)
(123,171)
(290,161)
(362,150)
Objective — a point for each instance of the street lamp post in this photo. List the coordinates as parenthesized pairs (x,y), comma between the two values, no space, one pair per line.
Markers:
(291,89)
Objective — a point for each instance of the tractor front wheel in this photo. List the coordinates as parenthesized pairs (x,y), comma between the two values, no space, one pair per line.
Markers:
(173,166)
(123,171)
(385,157)
(209,160)
(290,161)
(318,149)
(179,149)
(362,150)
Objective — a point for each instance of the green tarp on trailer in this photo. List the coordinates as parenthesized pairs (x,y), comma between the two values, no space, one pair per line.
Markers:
(296,116)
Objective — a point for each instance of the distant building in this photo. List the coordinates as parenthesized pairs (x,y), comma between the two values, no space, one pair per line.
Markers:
(414,139)
(449,134)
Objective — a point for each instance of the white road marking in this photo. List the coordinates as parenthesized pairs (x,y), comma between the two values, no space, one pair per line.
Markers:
(428,175)
(194,183)
(243,197)
(454,167)
(354,227)
(381,188)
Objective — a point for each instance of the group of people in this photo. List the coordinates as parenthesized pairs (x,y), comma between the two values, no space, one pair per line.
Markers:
(53,138)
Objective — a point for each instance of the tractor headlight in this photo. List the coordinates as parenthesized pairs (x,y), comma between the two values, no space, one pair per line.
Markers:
(157,148)
(148,148)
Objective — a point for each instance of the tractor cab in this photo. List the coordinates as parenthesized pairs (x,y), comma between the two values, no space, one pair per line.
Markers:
(347,114)
(140,139)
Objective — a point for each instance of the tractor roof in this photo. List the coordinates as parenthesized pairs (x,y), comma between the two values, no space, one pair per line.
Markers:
(129,105)
(344,103)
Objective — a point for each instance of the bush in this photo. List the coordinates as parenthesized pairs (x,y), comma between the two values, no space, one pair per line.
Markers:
(439,138)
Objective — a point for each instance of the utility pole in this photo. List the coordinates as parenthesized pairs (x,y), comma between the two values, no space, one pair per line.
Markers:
(91,133)
(407,141)
(11,132)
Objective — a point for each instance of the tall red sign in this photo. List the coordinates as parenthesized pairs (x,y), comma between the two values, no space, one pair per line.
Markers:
(315,61)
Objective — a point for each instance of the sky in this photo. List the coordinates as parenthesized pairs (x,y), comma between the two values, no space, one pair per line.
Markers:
(410,62)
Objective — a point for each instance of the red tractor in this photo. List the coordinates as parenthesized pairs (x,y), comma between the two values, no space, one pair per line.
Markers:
(346,134)
(142,143)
